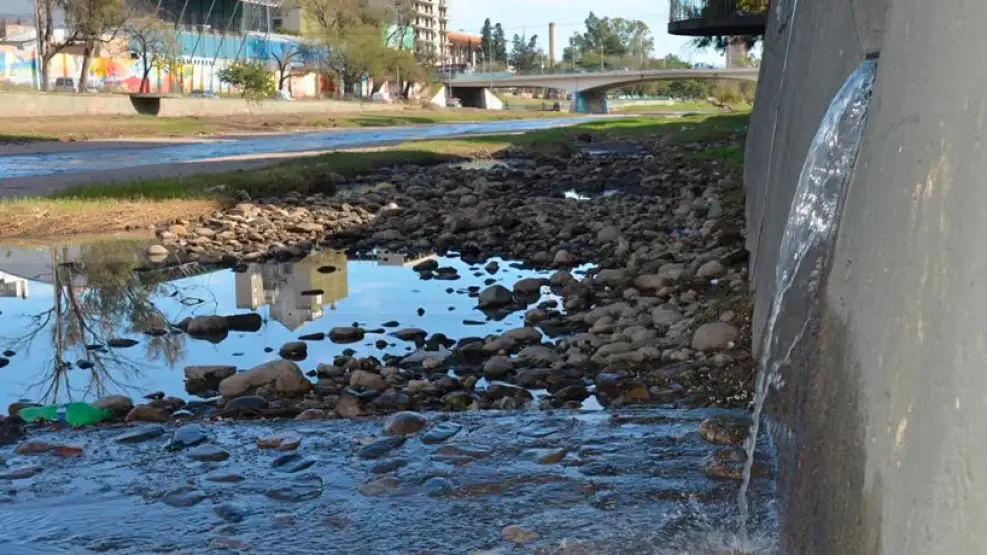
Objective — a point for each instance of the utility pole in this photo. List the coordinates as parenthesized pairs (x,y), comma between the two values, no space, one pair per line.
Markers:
(39,52)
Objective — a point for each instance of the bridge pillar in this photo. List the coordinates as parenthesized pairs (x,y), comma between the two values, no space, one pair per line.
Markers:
(477,97)
(589,102)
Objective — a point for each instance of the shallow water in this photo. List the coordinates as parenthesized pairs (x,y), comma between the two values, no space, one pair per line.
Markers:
(632,482)
(50,324)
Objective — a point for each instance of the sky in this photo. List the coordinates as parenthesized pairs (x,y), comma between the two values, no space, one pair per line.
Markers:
(533,17)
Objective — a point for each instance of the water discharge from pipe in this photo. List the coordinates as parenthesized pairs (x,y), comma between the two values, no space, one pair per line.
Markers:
(813,218)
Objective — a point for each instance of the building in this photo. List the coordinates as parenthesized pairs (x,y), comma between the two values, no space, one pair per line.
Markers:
(431,25)
(464,51)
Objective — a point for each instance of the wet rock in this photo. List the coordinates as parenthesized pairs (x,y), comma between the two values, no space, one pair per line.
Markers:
(723,430)
(441,433)
(248,322)
(121,343)
(295,350)
(183,497)
(312,337)
(246,406)
(225,478)
(411,334)
(280,377)
(292,463)
(576,392)
(380,448)
(303,488)
(287,442)
(145,413)
(499,390)
(157,251)
(715,336)
(189,435)
(21,472)
(429,265)
(495,296)
(230,512)
(346,335)
(546,456)
(16,407)
(203,327)
(141,434)
(208,453)
(119,405)
(405,423)
(529,287)
(379,486)
(538,355)
(497,368)
(365,379)
(204,381)
(312,414)
(518,535)
(711,269)
(348,406)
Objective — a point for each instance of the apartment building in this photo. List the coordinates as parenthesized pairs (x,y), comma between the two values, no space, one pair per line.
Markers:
(431,25)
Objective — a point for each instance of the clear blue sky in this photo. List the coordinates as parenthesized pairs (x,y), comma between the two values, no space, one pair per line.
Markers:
(533,17)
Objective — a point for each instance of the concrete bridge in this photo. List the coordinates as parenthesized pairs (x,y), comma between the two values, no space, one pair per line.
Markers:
(588,89)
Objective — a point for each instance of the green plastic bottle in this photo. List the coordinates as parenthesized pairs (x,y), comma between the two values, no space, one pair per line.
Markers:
(73,414)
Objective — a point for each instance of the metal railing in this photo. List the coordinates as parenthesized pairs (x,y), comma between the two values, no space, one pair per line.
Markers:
(684,10)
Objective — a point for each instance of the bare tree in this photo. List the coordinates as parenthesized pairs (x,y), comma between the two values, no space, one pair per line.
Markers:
(156,43)
(284,55)
(94,22)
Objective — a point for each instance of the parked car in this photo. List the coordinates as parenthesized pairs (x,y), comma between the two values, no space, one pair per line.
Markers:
(64,84)
(454,103)
(557,107)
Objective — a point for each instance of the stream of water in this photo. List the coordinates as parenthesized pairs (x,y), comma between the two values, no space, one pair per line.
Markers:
(813,218)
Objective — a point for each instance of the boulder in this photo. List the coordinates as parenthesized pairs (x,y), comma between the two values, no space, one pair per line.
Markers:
(715,336)
(204,381)
(495,296)
(250,322)
(345,335)
(119,405)
(278,377)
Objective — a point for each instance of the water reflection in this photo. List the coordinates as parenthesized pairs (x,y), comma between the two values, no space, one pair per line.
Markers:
(91,320)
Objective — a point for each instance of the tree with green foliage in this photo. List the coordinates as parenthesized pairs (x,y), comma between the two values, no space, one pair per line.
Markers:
(253,79)
(500,44)
(525,54)
(487,41)
(610,42)
(93,22)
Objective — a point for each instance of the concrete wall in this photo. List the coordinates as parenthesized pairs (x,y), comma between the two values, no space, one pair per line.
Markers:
(491,101)
(31,104)
(878,424)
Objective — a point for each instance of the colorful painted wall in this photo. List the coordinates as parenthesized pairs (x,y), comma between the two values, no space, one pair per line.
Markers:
(17,67)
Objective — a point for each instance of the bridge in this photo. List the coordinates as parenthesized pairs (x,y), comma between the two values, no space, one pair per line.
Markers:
(588,89)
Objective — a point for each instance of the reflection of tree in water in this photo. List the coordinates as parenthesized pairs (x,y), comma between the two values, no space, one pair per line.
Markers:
(97,296)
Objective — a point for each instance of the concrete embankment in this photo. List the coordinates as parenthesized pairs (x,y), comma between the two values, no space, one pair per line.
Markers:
(33,104)
(875,423)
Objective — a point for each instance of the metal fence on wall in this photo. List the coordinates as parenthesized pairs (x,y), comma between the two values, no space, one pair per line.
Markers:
(683,10)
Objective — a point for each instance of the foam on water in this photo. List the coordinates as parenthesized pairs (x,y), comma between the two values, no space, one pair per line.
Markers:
(813,218)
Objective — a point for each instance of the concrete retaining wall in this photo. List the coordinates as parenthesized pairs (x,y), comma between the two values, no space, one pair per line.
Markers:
(30,104)
(878,424)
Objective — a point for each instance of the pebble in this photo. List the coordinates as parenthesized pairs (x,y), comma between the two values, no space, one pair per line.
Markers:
(208,453)
(518,535)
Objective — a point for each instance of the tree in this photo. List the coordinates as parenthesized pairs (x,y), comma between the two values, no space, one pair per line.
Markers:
(155,42)
(93,22)
(525,54)
(499,44)
(487,41)
(284,55)
(252,78)
(353,33)
(720,43)
(615,42)
(48,46)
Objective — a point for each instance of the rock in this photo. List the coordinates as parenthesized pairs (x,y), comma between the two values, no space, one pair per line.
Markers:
(365,379)
(16,407)
(157,251)
(4,362)
(179,230)
(204,327)
(230,512)
(306,227)
(497,367)
(495,296)
(225,478)
(410,334)
(245,406)
(186,496)
(608,234)
(145,413)
(294,350)
(529,287)
(248,322)
(348,406)
(345,335)
(538,355)
(203,381)
(189,435)
(280,377)
(312,414)
(287,442)
(319,336)
(208,453)
(292,463)
(715,336)
(379,486)
(563,258)
(546,456)
(140,434)
(121,343)
(725,430)
(441,433)
(518,535)
(304,488)
(665,316)
(380,447)
(711,269)
(119,405)
(405,423)
(429,265)
(21,473)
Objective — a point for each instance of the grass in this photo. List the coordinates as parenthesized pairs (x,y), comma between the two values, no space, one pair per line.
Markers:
(118,206)
(686,106)
(89,128)
(732,157)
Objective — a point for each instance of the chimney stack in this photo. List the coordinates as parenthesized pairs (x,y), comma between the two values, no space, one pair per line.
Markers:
(551,45)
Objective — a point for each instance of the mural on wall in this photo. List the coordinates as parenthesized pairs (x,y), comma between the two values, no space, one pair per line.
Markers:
(17,67)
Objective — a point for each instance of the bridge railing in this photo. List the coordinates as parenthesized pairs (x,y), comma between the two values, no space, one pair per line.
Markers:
(717,17)
(498,75)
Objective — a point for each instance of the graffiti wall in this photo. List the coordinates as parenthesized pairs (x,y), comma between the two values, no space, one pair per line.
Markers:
(19,68)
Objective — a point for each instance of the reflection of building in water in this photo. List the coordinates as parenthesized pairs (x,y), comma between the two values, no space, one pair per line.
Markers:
(12,286)
(281,285)
(385,258)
